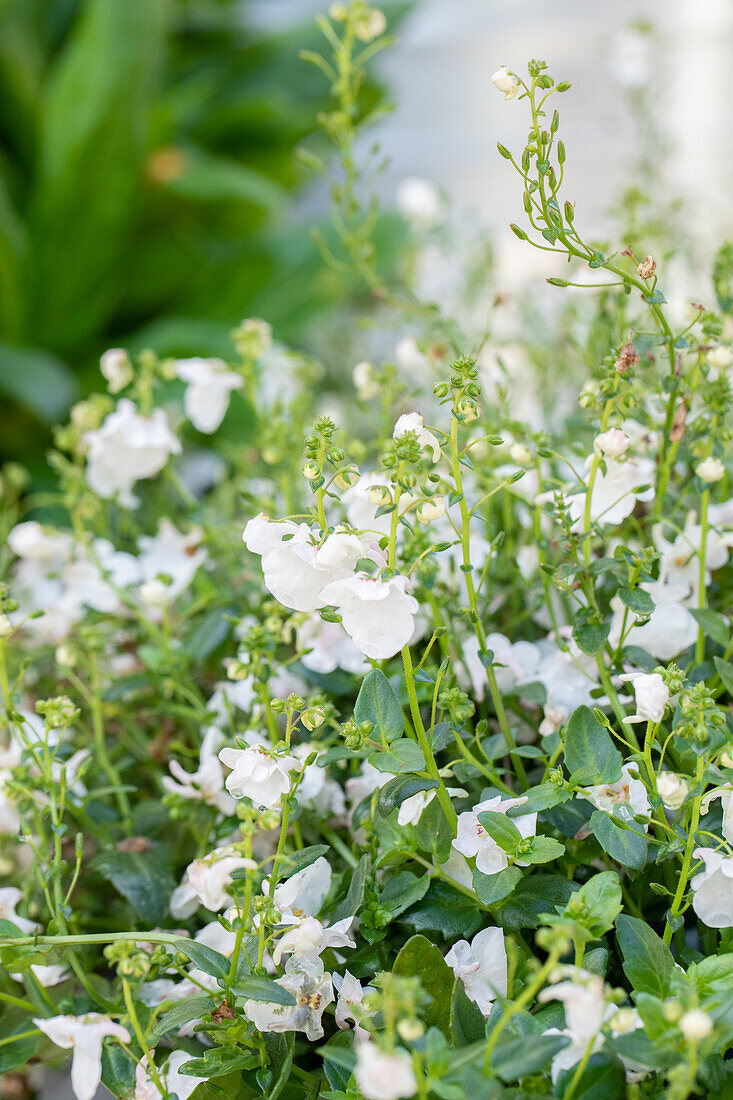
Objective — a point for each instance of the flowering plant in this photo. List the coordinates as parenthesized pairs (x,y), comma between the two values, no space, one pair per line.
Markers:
(424,789)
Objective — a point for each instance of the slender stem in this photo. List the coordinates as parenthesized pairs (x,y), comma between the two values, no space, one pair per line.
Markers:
(422,740)
(676,905)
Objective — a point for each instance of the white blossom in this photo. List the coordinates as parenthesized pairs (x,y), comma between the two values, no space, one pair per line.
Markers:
(116,368)
(586,1010)
(384,1076)
(350,1004)
(205,882)
(418,200)
(712,889)
(258,773)
(10,897)
(206,784)
(611,444)
(614,493)
(482,966)
(710,469)
(378,616)
(413,422)
(209,385)
(672,789)
(127,448)
(506,82)
(313,991)
(696,1025)
(671,627)
(171,555)
(652,696)
(627,793)
(473,840)
(328,647)
(84,1036)
(304,893)
(310,937)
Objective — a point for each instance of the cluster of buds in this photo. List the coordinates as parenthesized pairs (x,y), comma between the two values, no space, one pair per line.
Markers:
(400,1000)
(463,389)
(700,715)
(356,735)
(252,339)
(456,704)
(57,713)
(130,960)
(366,22)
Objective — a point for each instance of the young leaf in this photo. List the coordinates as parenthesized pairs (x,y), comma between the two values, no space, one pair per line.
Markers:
(378,704)
(588,744)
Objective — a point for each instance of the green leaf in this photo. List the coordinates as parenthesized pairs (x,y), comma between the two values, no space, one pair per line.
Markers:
(205,958)
(378,704)
(542,797)
(255,987)
(143,878)
(626,846)
(118,1070)
(294,862)
(421,959)
(491,889)
(637,600)
(280,1049)
(502,830)
(523,1056)
(354,899)
(37,380)
(591,637)
(725,671)
(467,1023)
(712,624)
(647,961)
(211,179)
(446,913)
(711,971)
(604,1078)
(587,744)
(404,756)
(597,904)
(402,891)
(402,787)
(194,1008)
(209,633)
(218,1061)
(536,894)
(544,849)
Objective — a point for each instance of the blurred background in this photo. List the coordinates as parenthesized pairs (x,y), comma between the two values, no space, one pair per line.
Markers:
(150,197)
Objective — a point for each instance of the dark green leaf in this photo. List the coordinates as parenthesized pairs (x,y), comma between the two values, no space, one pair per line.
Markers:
(491,889)
(351,904)
(712,624)
(422,959)
(255,987)
(587,744)
(144,878)
(648,962)
(604,1078)
(519,1058)
(205,958)
(402,787)
(194,1008)
(536,894)
(501,829)
(467,1024)
(403,756)
(378,704)
(402,891)
(219,1061)
(626,846)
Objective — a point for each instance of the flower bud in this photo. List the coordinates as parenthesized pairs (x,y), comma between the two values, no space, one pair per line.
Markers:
(116,367)
(311,471)
(506,82)
(696,1025)
(672,789)
(710,469)
(612,443)
(313,718)
(431,509)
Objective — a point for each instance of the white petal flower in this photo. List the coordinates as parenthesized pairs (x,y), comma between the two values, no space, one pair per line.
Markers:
(304,893)
(313,991)
(328,647)
(627,794)
(713,889)
(482,966)
(258,773)
(612,443)
(210,384)
(206,784)
(171,555)
(9,899)
(671,627)
(672,789)
(506,82)
(710,469)
(614,493)
(383,1076)
(116,368)
(378,616)
(418,200)
(205,882)
(652,696)
(350,1005)
(413,422)
(586,1010)
(725,794)
(127,448)
(83,1035)
(473,840)
(310,937)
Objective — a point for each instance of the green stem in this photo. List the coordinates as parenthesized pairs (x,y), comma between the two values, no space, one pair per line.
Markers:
(422,740)
(676,905)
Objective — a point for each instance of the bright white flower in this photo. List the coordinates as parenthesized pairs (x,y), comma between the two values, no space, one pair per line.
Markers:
(671,627)
(83,1035)
(205,882)
(713,889)
(418,200)
(360,786)
(378,616)
(383,1076)
(175,1082)
(258,773)
(652,696)
(506,82)
(679,561)
(9,898)
(116,368)
(171,556)
(408,355)
(672,789)
(411,810)
(473,840)
(696,1025)
(365,382)
(482,967)
(627,792)
(720,358)
(210,384)
(329,647)
(413,422)
(431,509)
(349,1006)
(310,937)
(710,469)
(725,794)
(303,894)
(516,663)
(127,448)
(586,1011)
(363,500)
(206,784)
(612,443)
(313,991)
(614,494)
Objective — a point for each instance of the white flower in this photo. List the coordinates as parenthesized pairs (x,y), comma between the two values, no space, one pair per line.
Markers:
(127,448)
(350,1002)
(672,789)
(473,840)
(313,991)
(47,976)
(365,381)
(713,889)
(362,501)
(315,789)
(431,509)
(304,893)
(614,493)
(383,1076)
(679,562)
(516,663)
(175,1082)
(720,357)
(413,422)
(378,616)
(418,200)
(83,1035)
(206,784)
(408,355)
(626,793)
(482,967)
(9,898)
(725,794)
(652,696)
(205,881)
(209,386)
(612,443)
(310,937)
(671,627)
(116,367)
(696,1025)
(411,809)
(258,773)
(585,1013)
(171,556)
(506,82)
(710,469)
(328,647)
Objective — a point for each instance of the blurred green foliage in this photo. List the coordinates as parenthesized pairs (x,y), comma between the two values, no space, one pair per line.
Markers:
(146,159)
